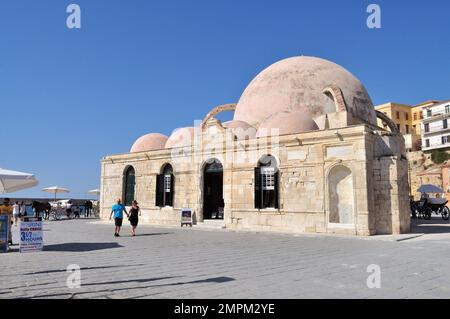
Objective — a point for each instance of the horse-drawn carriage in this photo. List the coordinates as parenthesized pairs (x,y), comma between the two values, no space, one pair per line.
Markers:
(426,206)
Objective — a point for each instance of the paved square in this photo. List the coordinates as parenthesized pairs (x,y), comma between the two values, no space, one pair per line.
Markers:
(193,263)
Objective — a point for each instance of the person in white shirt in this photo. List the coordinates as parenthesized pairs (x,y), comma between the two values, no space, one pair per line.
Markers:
(16,213)
(23,210)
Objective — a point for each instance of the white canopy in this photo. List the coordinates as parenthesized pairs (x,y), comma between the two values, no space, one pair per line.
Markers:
(11,181)
(428,188)
(94,191)
(55,190)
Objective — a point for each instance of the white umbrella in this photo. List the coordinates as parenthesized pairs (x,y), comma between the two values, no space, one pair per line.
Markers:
(55,190)
(94,192)
(428,188)
(11,181)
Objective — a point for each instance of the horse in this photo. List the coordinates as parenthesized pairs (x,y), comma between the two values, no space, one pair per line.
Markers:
(39,207)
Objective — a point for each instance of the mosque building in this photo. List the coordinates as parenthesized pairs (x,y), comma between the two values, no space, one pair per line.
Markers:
(303,153)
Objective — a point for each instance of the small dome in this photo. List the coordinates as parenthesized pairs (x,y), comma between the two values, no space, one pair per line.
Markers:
(181,137)
(149,142)
(287,123)
(297,84)
(240,129)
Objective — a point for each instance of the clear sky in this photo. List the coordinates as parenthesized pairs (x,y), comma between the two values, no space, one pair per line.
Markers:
(69,97)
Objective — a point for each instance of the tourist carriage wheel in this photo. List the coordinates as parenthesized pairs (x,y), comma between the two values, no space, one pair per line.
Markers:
(445,212)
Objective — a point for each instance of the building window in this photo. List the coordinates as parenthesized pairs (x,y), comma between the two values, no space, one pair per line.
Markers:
(447,109)
(165,187)
(427,143)
(407,116)
(266,183)
(444,123)
(130,184)
(426,127)
(398,115)
(415,116)
(429,113)
(445,139)
(407,129)
(421,115)
(414,129)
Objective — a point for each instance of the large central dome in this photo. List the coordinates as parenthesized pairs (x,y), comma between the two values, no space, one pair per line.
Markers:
(296,85)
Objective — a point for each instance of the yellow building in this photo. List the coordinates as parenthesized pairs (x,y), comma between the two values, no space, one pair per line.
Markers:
(408,119)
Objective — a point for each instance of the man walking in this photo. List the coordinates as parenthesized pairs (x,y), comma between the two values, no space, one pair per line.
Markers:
(118,210)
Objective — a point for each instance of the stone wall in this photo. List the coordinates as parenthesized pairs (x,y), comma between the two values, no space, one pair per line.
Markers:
(305,162)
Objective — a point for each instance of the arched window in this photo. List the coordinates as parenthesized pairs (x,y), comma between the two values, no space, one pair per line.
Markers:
(130,184)
(266,183)
(165,186)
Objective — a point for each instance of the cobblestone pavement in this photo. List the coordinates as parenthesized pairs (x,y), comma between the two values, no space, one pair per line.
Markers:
(193,263)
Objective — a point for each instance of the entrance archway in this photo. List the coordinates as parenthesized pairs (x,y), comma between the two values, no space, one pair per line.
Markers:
(213,203)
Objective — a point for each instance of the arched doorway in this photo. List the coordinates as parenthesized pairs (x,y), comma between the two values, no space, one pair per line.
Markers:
(213,203)
(341,198)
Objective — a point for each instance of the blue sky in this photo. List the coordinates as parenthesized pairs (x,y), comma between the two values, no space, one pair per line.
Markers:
(69,97)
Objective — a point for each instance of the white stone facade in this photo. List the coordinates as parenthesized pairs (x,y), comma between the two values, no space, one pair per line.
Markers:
(373,196)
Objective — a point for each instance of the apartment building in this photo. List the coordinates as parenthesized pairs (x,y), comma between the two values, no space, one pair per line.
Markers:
(407,118)
(436,126)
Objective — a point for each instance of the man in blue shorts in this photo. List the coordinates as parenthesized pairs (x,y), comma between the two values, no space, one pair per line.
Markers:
(118,210)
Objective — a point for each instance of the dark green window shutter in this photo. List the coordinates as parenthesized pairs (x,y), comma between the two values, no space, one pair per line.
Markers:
(277,190)
(258,188)
(169,196)
(130,184)
(159,196)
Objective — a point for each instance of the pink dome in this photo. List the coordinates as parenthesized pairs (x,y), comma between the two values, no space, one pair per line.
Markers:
(240,129)
(149,142)
(181,137)
(287,123)
(297,84)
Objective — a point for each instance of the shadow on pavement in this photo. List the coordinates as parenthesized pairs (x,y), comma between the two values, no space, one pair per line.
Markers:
(435,225)
(80,247)
(129,281)
(152,234)
(217,280)
(82,268)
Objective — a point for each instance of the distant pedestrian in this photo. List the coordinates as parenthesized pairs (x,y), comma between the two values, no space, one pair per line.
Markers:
(16,213)
(118,210)
(69,209)
(6,209)
(23,210)
(135,212)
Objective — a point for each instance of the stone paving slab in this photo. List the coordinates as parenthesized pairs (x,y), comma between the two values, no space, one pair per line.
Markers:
(171,262)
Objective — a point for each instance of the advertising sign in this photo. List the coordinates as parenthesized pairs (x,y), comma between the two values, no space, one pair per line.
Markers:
(31,234)
(186,217)
(4,227)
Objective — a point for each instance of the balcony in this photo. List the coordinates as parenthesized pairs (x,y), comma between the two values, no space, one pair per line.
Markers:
(436,117)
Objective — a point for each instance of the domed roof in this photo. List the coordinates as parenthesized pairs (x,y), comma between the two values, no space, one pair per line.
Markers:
(181,137)
(287,123)
(296,84)
(149,142)
(240,129)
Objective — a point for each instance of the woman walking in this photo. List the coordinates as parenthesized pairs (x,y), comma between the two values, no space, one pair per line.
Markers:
(135,212)
(118,210)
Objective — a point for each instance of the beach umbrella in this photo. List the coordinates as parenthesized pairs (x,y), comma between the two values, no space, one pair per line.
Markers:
(55,190)
(428,188)
(11,181)
(94,192)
